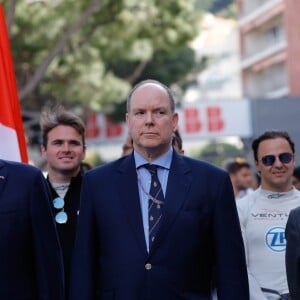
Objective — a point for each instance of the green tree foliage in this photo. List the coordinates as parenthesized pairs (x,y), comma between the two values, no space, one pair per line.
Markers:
(224,8)
(219,5)
(90,52)
(217,153)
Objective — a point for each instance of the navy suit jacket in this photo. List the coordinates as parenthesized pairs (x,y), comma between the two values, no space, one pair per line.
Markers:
(30,256)
(292,235)
(199,240)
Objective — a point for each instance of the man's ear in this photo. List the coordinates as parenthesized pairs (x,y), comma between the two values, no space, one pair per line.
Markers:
(43,151)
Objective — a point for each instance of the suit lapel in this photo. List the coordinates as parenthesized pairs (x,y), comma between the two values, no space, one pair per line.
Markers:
(129,195)
(179,181)
(3,177)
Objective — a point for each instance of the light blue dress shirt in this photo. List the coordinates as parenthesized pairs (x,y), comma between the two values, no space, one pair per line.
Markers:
(144,180)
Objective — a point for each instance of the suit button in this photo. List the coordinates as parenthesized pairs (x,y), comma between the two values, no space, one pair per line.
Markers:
(148,266)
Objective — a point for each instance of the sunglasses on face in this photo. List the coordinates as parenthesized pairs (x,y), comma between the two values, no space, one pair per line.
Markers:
(61,217)
(269,160)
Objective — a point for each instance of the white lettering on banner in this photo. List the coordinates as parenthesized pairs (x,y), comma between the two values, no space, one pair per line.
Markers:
(205,119)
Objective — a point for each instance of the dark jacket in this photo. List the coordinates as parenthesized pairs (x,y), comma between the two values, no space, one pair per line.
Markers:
(199,231)
(292,235)
(67,231)
(30,257)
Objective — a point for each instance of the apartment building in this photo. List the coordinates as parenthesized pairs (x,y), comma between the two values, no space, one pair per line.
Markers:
(270,47)
(218,45)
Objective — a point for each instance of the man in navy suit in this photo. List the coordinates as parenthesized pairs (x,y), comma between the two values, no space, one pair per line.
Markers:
(30,255)
(198,243)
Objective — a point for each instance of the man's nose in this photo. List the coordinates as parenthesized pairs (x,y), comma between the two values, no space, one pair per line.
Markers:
(278,162)
(66,147)
(149,117)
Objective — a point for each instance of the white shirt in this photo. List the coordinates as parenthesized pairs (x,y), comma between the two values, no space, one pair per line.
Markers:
(263,216)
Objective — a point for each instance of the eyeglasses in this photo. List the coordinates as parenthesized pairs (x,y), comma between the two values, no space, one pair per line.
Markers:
(61,217)
(284,158)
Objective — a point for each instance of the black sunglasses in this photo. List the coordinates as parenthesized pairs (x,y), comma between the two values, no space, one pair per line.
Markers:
(284,158)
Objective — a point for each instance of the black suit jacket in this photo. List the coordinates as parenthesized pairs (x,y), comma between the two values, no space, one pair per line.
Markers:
(292,235)
(30,255)
(199,235)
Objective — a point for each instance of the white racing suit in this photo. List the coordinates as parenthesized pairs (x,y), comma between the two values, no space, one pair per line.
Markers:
(263,216)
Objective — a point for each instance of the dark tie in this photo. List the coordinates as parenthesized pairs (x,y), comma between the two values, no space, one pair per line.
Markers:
(156,200)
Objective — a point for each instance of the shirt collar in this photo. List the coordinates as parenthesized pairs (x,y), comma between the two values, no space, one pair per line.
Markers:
(163,161)
(277,195)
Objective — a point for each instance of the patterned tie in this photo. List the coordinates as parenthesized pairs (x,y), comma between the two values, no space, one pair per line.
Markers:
(155,202)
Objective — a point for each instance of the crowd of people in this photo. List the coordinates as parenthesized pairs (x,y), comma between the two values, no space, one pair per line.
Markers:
(153,224)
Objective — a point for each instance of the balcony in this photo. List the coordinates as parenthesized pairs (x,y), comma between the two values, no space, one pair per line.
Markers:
(263,54)
(255,9)
(268,83)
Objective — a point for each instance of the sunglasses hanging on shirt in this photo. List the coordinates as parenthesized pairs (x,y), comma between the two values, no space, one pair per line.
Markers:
(61,217)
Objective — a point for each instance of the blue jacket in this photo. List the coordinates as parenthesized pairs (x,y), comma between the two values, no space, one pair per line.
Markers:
(30,255)
(199,243)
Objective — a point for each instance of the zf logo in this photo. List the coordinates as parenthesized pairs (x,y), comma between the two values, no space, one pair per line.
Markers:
(275,239)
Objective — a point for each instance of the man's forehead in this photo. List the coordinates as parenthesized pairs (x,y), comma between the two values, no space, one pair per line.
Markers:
(64,139)
(149,94)
(273,144)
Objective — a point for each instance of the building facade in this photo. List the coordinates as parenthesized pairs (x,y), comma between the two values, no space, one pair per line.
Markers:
(217,50)
(270,48)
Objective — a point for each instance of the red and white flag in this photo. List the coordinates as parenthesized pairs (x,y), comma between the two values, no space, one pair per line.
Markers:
(12,138)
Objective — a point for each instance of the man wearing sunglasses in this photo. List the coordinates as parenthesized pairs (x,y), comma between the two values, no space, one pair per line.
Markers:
(263,215)
(63,147)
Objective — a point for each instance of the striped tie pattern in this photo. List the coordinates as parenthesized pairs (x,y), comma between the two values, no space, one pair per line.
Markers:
(156,200)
